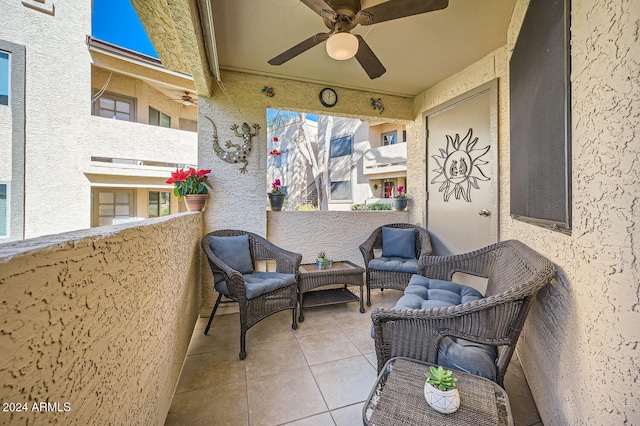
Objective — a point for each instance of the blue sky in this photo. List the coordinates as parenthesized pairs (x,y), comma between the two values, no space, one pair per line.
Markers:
(116,21)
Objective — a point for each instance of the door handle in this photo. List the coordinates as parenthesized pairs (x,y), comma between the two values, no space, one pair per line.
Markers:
(484,212)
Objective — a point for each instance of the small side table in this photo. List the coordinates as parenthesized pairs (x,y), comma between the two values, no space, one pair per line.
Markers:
(310,277)
(398,398)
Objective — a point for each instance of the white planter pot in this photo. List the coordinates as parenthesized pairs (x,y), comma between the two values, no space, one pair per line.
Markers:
(445,402)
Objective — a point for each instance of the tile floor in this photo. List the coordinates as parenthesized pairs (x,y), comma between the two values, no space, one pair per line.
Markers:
(319,374)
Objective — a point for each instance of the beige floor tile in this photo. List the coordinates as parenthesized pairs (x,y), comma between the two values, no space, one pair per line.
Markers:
(316,321)
(223,335)
(384,299)
(323,419)
(274,357)
(271,388)
(206,407)
(273,328)
(347,318)
(325,347)
(284,397)
(344,382)
(361,337)
(348,416)
(209,370)
(373,359)
(522,405)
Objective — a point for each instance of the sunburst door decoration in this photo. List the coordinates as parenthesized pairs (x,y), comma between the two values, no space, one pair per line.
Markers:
(460,166)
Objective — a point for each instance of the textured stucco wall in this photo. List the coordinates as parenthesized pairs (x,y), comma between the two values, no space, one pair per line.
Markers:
(579,348)
(338,234)
(100,319)
(590,320)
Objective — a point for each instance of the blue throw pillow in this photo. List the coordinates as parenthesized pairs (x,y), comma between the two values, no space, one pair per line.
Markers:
(399,242)
(234,252)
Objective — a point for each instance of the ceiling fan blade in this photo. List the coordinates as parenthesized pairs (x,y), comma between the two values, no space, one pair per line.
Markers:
(299,48)
(390,10)
(369,61)
(318,6)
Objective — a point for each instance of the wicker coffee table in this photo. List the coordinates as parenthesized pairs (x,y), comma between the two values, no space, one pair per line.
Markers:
(398,398)
(310,278)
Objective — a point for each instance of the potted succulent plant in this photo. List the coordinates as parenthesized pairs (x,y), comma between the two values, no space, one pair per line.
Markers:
(400,201)
(323,262)
(192,185)
(440,390)
(276,196)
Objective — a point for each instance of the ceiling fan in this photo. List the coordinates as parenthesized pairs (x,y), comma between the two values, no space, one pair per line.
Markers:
(341,16)
(187,100)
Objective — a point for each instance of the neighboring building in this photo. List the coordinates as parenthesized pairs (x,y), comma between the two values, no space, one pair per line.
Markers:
(353,161)
(89,131)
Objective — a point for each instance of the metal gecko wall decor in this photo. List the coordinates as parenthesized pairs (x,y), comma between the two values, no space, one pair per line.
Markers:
(237,153)
(459,169)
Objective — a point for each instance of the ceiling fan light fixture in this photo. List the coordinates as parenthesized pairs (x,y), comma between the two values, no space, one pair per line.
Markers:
(342,46)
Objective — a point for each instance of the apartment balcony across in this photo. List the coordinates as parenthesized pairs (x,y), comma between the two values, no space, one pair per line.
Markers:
(387,161)
(135,149)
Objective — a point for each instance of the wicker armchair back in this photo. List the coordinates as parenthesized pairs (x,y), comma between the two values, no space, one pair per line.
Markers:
(256,309)
(391,279)
(515,274)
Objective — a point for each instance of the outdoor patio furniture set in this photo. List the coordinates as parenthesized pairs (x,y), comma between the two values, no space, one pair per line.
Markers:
(436,321)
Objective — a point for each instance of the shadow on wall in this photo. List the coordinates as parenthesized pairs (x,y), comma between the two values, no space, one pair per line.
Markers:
(552,319)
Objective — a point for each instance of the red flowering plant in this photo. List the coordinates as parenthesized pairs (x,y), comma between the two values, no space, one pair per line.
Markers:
(276,187)
(401,193)
(191,181)
(275,153)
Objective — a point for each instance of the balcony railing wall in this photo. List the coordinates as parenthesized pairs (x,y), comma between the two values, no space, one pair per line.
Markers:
(386,159)
(96,323)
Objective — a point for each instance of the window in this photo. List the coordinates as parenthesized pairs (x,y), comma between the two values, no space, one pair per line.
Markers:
(341,190)
(112,206)
(158,118)
(159,203)
(5,78)
(115,106)
(4,210)
(404,136)
(389,138)
(340,147)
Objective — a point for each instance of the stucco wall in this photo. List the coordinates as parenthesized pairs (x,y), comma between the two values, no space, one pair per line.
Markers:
(579,348)
(338,234)
(100,319)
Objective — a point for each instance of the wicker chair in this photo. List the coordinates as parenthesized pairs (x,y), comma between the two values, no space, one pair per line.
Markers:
(391,279)
(231,283)
(515,274)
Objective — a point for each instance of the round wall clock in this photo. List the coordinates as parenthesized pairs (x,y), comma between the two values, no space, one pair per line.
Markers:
(328,97)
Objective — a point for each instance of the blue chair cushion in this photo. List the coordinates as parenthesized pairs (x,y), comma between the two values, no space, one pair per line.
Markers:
(259,283)
(234,252)
(394,264)
(399,242)
(427,293)
(470,357)
(454,353)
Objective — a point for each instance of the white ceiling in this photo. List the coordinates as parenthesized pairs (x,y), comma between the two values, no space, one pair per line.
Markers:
(417,51)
